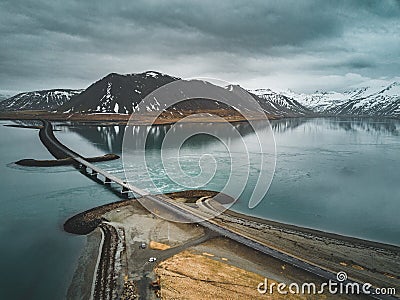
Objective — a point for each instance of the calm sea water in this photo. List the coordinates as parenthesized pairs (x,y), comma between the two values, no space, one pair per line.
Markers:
(37,258)
(336,175)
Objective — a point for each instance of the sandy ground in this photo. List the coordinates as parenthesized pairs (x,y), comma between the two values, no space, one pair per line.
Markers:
(204,258)
(142,227)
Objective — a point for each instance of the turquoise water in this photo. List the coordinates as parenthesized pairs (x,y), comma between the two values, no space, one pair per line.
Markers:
(37,257)
(340,176)
(336,175)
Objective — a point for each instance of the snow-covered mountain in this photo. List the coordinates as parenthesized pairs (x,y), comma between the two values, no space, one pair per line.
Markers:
(375,101)
(47,100)
(116,93)
(279,104)
(122,94)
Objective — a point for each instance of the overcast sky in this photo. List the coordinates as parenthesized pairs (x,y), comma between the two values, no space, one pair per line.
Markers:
(301,45)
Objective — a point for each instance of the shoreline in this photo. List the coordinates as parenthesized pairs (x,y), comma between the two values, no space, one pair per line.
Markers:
(316,232)
(363,260)
(87,221)
(163,119)
(30,162)
(84,222)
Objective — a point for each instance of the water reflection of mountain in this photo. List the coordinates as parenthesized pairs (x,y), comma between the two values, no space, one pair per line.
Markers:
(287,124)
(386,126)
(109,138)
(201,134)
(373,126)
(106,138)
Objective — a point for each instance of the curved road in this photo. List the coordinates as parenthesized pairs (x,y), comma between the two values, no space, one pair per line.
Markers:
(55,147)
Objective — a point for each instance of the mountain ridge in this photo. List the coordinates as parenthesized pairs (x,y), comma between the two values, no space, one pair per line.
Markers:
(38,100)
(375,101)
(121,93)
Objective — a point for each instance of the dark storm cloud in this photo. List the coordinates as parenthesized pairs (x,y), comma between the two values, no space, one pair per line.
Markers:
(242,24)
(360,64)
(72,43)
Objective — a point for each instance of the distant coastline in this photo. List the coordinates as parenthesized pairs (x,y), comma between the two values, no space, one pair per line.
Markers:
(139,119)
(164,119)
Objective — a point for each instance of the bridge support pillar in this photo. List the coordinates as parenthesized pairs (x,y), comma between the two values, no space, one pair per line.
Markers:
(107,181)
(83,168)
(94,173)
(125,192)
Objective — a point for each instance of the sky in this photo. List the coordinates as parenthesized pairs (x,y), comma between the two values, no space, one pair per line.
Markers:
(299,45)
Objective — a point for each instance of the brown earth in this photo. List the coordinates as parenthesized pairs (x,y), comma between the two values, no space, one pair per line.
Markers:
(139,119)
(189,275)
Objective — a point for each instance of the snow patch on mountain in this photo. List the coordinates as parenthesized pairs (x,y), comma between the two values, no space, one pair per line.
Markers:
(116,108)
(152,74)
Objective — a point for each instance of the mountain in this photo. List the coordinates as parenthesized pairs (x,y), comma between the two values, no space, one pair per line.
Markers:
(116,93)
(122,94)
(47,100)
(232,99)
(374,101)
(278,104)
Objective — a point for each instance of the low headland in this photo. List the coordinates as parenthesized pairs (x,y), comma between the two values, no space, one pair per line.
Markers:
(195,262)
(29,162)
(154,118)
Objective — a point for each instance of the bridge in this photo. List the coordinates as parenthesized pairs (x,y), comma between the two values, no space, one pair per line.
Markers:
(185,212)
(60,151)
